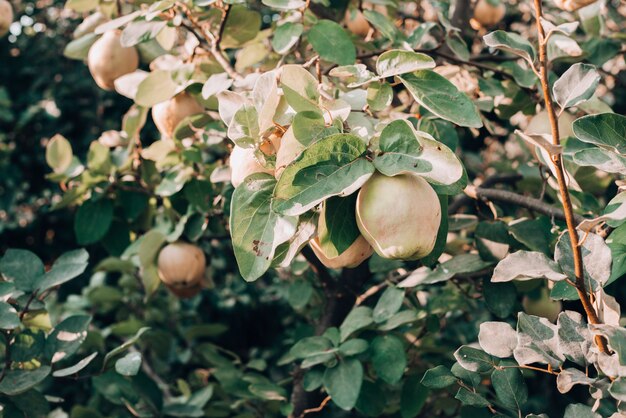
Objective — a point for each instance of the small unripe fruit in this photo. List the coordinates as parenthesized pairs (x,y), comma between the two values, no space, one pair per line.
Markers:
(243,162)
(181,265)
(358,252)
(540,124)
(6,17)
(399,216)
(544,306)
(487,14)
(168,114)
(108,60)
(356,22)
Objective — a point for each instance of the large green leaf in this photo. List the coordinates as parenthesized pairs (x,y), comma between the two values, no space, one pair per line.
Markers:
(441,97)
(8,316)
(511,42)
(65,268)
(300,88)
(339,228)
(93,220)
(510,387)
(67,337)
(286,36)
(404,149)
(388,358)
(257,230)
(576,85)
(333,166)
(343,383)
(399,61)
(22,267)
(17,381)
(606,130)
(241,26)
(332,43)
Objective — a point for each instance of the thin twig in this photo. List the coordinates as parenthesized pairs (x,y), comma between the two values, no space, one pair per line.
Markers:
(316,409)
(579,272)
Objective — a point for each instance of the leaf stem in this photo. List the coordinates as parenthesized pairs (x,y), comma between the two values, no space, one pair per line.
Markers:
(592,315)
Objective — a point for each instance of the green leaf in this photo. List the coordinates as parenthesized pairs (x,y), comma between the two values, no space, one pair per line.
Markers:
(17,381)
(388,358)
(141,31)
(618,389)
(353,347)
(286,36)
(500,298)
(379,96)
(78,49)
(537,341)
(510,387)
(399,61)
(333,166)
(8,317)
(438,378)
(388,304)
(68,371)
(606,130)
(511,42)
(125,346)
(441,97)
(473,359)
(601,159)
(59,153)
(93,220)
(337,227)
(67,337)
(471,398)
(413,397)
(300,88)
(285,4)
(527,265)
(576,85)
(22,267)
(343,383)
(257,230)
(242,25)
(332,43)
(67,267)
(129,364)
(309,126)
(360,317)
(403,149)
(382,23)
(157,87)
(579,410)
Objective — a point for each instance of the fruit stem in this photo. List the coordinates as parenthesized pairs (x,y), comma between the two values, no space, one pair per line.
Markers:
(566,201)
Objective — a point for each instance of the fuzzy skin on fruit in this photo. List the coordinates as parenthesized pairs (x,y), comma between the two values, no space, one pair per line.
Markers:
(540,124)
(488,15)
(168,114)
(399,216)
(181,265)
(544,306)
(6,17)
(186,292)
(359,251)
(356,22)
(243,162)
(108,60)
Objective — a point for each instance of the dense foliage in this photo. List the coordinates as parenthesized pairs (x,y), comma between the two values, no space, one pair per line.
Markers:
(312,208)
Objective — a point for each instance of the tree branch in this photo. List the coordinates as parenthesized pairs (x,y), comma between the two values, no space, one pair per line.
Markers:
(340,296)
(505,196)
(592,315)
